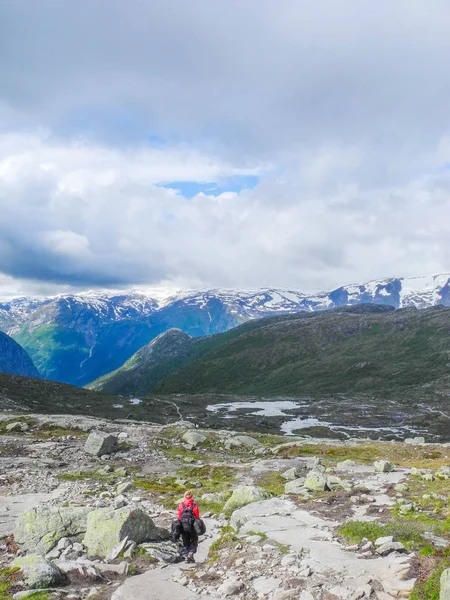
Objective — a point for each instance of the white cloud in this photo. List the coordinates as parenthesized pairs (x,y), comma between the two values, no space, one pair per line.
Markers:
(341,109)
(89,220)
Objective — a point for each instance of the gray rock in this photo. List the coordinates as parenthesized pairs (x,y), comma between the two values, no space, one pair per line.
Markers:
(230,587)
(100,443)
(107,528)
(387,539)
(346,464)
(445,585)
(194,438)
(245,495)
(37,572)
(443,473)
(166,552)
(17,426)
(39,530)
(292,473)
(124,487)
(315,482)
(266,585)
(383,466)
(415,440)
(386,549)
(243,440)
(296,486)
(334,483)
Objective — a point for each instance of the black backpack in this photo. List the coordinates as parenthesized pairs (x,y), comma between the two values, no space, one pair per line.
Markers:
(187,518)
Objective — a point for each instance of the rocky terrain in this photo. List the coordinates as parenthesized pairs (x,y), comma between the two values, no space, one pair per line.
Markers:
(86,506)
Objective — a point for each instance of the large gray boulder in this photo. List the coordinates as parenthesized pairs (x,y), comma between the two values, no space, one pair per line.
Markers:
(107,528)
(243,440)
(100,443)
(245,495)
(39,530)
(296,486)
(315,482)
(445,585)
(383,466)
(37,572)
(194,438)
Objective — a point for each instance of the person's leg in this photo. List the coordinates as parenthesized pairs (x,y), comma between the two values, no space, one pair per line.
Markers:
(193,543)
(186,537)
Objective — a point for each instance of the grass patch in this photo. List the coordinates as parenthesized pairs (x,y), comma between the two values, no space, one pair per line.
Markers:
(167,491)
(213,478)
(427,457)
(8,582)
(87,475)
(410,534)
(271,482)
(49,430)
(430,568)
(227,537)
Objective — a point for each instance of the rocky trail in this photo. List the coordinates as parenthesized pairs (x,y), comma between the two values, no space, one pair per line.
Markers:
(86,507)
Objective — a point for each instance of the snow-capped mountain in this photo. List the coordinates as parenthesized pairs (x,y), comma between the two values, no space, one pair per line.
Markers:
(77,338)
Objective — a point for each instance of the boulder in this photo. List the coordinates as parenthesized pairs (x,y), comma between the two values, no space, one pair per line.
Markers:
(17,426)
(166,552)
(415,440)
(334,483)
(124,487)
(243,440)
(296,486)
(245,495)
(39,530)
(389,547)
(445,585)
(387,539)
(37,572)
(107,528)
(383,466)
(292,473)
(100,443)
(443,473)
(346,464)
(194,438)
(230,587)
(315,482)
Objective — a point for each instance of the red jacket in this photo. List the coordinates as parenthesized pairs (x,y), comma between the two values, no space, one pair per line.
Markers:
(187,503)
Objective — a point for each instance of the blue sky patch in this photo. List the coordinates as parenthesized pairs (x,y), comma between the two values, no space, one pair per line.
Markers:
(189,189)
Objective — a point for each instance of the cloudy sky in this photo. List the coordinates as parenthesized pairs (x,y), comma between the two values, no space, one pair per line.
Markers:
(222,142)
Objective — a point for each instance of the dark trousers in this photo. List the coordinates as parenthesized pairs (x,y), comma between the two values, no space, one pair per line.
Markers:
(190,542)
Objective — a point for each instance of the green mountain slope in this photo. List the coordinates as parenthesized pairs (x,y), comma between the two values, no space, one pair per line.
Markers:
(149,365)
(366,349)
(50,397)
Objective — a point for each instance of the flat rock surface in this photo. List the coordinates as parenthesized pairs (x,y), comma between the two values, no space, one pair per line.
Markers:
(12,506)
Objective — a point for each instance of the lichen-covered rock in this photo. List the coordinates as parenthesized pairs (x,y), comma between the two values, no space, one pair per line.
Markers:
(346,464)
(383,466)
(214,497)
(17,426)
(37,572)
(107,528)
(194,438)
(315,482)
(443,473)
(243,440)
(445,585)
(245,495)
(167,552)
(100,443)
(39,530)
(334,483)
(296,486)
(292,473)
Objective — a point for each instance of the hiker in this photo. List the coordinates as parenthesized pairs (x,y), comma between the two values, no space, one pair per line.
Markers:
(187,514)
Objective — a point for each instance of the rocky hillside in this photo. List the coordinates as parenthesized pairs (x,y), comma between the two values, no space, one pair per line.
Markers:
(86,507)
(365,349)
(78,338)
(14,359)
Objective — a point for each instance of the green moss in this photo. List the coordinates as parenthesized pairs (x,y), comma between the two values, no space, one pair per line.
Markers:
(272,482)
(406,532)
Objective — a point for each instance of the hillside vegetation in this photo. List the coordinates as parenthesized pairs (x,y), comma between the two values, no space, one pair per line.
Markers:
(364,349)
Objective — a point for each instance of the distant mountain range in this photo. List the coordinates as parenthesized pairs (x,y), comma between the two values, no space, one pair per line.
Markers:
(79,338)
(14,360)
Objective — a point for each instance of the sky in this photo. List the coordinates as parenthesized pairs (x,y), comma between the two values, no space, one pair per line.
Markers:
(222,143)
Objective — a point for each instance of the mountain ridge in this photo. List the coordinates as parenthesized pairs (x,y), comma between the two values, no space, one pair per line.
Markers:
(78,338)
(14,360)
